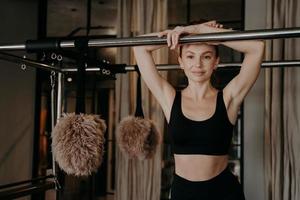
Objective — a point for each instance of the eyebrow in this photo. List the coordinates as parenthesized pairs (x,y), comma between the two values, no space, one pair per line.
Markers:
(205,52)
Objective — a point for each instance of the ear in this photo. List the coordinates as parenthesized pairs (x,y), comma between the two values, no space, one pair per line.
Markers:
(180,62)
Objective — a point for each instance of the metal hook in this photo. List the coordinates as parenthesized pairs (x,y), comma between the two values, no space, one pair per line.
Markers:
(106,72)
(23,67)
(59,57)
(52,79)
(53,56)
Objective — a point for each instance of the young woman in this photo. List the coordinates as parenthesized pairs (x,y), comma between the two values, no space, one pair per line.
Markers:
(201,118)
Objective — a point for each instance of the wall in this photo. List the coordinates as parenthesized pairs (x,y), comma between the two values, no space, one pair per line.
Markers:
(18,21)
(255,15)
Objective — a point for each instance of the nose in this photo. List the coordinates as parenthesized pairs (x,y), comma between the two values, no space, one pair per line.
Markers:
(198,63)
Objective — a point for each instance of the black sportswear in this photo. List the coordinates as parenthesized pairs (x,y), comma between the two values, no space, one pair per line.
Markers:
(210,137)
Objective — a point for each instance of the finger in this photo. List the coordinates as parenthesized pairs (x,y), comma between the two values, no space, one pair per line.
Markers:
(169,39)
(173,41)
(162,33)
(177,40)
(212,23)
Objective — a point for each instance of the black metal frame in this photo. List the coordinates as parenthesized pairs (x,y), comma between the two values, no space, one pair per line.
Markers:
(26,190)
(26,187)
(25,182)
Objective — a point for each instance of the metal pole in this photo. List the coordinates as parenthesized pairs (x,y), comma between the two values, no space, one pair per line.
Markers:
(59,96)
(12,47)
(162,67)
(223,66)
(209,37)
(58,115)
(53,119)
(136,41)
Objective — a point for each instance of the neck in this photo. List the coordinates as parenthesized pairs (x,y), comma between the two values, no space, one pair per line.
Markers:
(198,91)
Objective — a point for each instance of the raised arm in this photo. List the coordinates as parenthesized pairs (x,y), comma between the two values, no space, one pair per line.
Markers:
(253,50)
(159,87)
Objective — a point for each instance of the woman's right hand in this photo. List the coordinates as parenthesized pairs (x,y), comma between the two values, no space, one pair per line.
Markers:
(173,35)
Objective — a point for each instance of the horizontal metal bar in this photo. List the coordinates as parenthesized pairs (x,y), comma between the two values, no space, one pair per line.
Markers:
(223,66)
(162,67)
(208,37)
(26,61)
(224,36)
(12,47)
(26,190)
(25,182)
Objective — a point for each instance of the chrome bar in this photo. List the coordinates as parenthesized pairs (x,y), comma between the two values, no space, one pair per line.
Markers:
(222,66)
(59,96)
(12,47)
(208,37)
(58,115)
(162,67)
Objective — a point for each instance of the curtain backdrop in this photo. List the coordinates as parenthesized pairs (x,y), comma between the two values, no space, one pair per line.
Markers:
(282,110)
(138,180)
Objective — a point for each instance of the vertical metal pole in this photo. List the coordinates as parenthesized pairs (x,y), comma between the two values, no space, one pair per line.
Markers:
(54,120)
(59,96)
(52,82)
(58,115)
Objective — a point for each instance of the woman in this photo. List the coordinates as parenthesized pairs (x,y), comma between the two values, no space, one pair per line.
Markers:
(201,118)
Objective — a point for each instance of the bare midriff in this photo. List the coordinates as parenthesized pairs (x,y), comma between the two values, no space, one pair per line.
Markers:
(199,167)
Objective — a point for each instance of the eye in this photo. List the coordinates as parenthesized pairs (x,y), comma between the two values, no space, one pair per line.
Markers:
(207,57)
(190,57)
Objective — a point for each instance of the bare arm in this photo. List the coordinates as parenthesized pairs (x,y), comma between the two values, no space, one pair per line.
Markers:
(253,51)
(238,87)
(159,87)
(234,92)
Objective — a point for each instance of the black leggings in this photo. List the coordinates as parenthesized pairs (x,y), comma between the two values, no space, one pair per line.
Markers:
(224,186)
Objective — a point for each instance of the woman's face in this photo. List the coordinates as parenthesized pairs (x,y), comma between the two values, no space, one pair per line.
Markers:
(198,61)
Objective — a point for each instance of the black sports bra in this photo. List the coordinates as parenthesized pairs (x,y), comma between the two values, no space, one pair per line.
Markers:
(210,137)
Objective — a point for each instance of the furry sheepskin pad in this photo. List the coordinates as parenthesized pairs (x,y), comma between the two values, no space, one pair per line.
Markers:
(78,143)
(138,137)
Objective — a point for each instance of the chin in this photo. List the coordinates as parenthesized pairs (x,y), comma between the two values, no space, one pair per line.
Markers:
(200,79)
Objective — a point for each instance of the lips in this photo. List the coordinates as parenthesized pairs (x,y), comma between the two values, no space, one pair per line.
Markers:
(198,73)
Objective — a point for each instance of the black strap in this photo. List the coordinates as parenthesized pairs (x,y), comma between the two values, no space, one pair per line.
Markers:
(177,99)
(139,108)
(220,101)
(82,47)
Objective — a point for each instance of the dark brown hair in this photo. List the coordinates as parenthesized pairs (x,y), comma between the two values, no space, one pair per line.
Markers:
(200,21)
